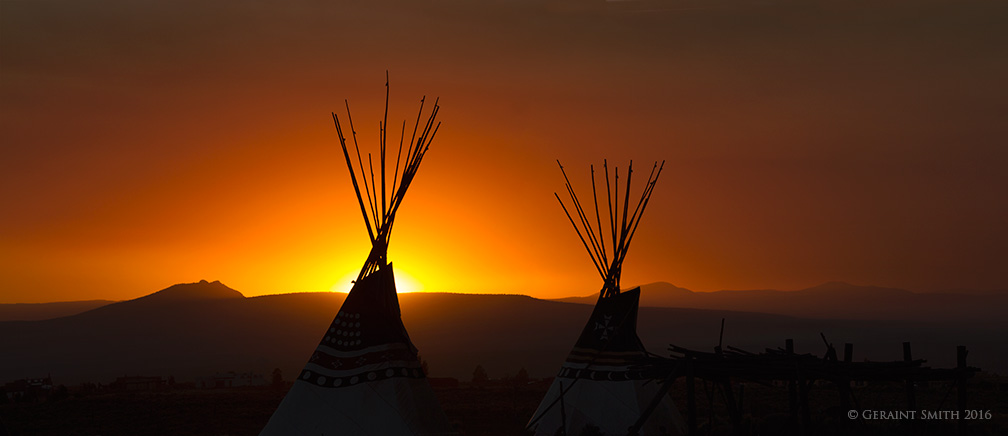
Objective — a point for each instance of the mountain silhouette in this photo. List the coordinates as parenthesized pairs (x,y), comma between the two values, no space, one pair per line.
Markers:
(831,300)
(194,330)
(40,311)
(202,290)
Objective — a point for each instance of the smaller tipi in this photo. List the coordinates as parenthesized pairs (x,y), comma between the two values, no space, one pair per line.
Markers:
(365,378)
(606,387)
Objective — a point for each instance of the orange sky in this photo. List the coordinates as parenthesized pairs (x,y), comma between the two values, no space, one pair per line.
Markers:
(164,142)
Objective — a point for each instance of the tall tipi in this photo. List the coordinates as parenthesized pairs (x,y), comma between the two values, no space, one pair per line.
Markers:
(605,386)
(364,378)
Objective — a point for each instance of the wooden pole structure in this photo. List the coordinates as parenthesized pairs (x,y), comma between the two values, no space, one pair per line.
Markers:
(733,411)
(691,412)
(382,213)
(622,226)
(384,140)
(792,386)
(803,394)
(801,370)
(910,391)
(720,341)
(911,398)
(844,383)
(741,396)
(961,388)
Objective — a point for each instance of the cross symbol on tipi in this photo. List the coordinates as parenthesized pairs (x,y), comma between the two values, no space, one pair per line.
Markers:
(605,327)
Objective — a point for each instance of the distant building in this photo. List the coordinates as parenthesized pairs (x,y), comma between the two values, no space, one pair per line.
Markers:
(231,379)
(138,383)
(29,389)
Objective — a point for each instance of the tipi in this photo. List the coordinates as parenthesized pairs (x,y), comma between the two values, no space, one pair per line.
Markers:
(364,378)
(605,386)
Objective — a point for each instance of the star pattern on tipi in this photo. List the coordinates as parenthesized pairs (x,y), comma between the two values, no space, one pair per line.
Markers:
(605,326)
(346,329)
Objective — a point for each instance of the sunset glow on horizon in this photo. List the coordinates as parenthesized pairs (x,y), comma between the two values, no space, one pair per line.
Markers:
(167,142)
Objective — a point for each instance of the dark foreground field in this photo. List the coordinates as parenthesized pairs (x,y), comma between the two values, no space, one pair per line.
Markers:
(496,409)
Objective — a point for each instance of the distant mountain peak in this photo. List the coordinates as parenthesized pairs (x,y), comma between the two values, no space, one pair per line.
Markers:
(836,283)
(202,290)
(664,287)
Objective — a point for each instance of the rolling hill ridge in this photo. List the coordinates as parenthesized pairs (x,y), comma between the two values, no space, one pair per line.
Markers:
(194,330)
(832,300)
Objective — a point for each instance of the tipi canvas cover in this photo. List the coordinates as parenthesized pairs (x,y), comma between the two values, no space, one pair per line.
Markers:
(364,378)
